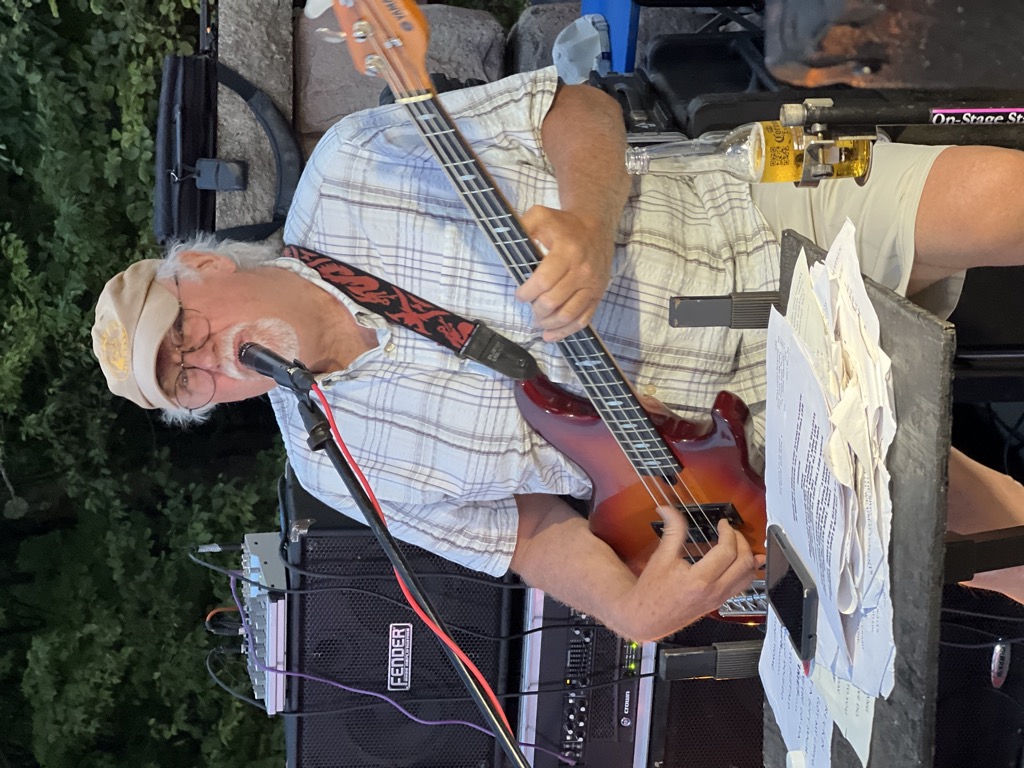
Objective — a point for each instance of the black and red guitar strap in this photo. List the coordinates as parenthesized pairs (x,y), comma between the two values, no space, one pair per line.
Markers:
(466,338)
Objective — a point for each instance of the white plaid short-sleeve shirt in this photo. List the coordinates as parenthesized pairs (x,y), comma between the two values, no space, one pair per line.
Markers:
(439,438)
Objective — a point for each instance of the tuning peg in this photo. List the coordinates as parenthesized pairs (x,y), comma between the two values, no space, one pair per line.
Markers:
(361,31)
(373,65)
(329,35)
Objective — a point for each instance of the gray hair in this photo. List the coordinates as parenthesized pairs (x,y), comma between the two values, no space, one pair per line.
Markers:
(245,255)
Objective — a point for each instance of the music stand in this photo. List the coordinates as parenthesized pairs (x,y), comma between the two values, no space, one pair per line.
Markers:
(921,347)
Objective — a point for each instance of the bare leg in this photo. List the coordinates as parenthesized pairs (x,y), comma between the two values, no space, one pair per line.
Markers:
(970,214)
(981,499)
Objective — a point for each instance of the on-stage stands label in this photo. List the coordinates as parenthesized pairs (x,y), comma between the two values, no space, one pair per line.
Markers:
(978,116)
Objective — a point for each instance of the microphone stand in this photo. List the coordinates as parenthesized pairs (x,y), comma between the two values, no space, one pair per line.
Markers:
(300,382)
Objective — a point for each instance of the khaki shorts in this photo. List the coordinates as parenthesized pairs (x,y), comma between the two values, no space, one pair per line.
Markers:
(883,210)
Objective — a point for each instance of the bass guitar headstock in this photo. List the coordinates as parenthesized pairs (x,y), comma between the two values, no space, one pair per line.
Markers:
(386,39)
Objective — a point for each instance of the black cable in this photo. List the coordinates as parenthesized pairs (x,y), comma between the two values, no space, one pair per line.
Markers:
(979,646)
(383,577)
(356,590)
(446,699)
(281,590)
(979,615)
(489,581)
(543,688)
(1000,640)
(219,651)
(229,572)
(1011,432)
(561,687)
(223,627)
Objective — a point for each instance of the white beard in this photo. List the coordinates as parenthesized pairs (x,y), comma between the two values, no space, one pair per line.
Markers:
(270,332)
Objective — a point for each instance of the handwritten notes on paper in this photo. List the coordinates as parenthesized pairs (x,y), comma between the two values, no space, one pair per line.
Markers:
(830,421)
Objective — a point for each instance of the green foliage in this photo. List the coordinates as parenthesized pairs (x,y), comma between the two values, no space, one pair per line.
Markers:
(118,678)
(102,658)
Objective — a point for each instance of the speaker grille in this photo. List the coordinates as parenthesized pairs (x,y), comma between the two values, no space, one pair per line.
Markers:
(602,700)
(712,723)
(716,723)
(340,631)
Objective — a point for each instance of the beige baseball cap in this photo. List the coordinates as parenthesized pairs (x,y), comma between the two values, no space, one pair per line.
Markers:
(133,314)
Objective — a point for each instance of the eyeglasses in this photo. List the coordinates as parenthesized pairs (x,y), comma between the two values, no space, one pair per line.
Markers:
(194,387)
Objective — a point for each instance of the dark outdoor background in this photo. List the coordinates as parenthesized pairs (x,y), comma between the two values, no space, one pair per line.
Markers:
(102,648)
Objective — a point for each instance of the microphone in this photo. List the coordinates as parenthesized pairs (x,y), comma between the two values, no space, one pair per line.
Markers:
(293,375)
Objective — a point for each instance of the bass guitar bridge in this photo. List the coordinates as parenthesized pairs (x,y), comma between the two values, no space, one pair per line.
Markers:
(747,606)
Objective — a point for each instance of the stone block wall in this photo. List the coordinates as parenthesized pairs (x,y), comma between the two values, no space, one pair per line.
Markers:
(464,44)
(254,39)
